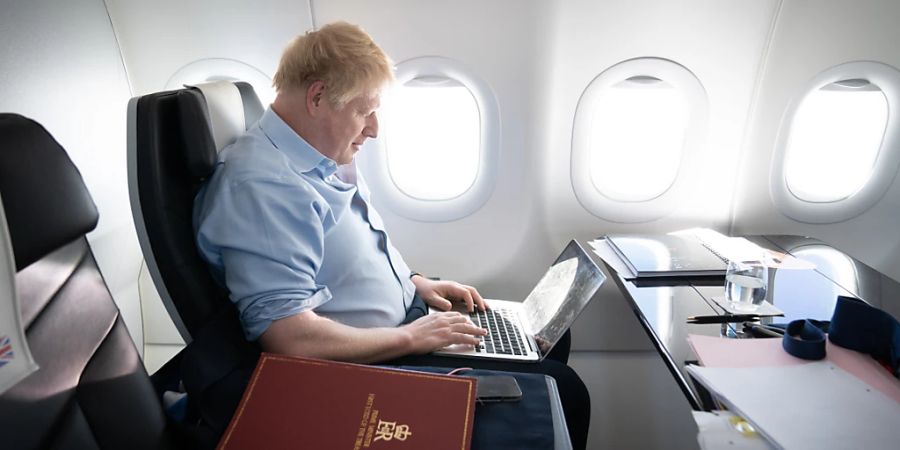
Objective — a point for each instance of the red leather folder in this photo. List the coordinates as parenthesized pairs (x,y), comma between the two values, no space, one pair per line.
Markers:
(293,403)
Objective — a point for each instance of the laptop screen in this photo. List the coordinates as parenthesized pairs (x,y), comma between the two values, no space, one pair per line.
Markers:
(561,295)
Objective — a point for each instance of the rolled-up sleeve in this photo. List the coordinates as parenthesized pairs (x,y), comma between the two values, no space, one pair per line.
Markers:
(266,239)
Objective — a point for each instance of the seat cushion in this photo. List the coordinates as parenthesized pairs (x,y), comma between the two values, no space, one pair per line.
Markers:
(91,390)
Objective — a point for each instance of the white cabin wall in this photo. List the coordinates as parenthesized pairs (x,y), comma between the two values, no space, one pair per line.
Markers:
(159,38)
(811,36)
(62,67)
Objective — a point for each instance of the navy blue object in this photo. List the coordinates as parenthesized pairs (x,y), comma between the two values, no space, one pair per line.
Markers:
(804,340)
(859,326)
(416,310)
(522,425)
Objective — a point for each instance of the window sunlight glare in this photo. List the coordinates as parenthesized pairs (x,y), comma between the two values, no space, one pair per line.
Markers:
(433,144)
(834,142)
(637,140)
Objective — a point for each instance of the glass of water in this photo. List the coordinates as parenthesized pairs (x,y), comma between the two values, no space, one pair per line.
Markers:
(745,284)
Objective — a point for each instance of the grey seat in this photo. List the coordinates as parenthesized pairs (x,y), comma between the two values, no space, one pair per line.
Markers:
(91,390)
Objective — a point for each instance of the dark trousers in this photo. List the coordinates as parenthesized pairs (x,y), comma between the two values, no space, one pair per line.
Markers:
(576,400)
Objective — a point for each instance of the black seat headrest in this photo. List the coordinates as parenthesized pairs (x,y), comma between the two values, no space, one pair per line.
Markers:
(46,201)
(195,133)
(228,107)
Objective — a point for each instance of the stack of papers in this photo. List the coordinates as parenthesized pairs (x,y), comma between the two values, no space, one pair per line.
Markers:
(807,406)
(845,401)
(741,249)
(737,353)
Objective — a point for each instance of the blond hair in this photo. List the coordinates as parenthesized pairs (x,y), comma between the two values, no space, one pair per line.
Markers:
(339,54)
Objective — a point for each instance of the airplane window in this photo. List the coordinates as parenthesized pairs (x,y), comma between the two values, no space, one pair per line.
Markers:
(433,142)
(811,298)
(835,140)
(637,138)
(438,146)
(836,152)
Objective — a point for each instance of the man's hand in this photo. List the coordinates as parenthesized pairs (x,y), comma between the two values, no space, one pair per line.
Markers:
(438,330)
(439,294)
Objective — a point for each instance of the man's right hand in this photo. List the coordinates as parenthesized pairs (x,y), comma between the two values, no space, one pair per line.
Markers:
(438,330)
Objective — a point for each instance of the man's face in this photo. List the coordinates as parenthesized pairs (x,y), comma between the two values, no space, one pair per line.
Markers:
(345,129)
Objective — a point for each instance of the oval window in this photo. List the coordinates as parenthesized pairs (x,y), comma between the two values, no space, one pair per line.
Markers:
(433,146)
(834,140)
(438,151)
(836,151)
(637,138)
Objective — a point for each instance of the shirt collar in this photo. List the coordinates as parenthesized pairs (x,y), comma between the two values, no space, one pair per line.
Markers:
(303,155)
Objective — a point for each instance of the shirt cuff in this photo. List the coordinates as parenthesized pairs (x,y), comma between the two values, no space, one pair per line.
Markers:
(256,320)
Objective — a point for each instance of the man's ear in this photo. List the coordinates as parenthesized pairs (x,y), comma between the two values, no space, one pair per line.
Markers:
(315,94)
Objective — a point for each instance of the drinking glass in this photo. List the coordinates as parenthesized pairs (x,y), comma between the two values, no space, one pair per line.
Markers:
(745,284)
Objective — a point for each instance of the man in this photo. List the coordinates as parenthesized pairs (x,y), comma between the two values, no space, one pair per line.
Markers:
(287,224)
(296,241)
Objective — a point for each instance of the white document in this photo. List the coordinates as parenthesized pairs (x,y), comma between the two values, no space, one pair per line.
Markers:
(808,406)
(15,358)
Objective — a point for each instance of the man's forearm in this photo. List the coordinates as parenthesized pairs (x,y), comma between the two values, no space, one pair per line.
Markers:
(310,335)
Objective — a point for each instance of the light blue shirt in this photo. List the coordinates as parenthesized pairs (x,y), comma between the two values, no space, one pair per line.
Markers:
(287,231)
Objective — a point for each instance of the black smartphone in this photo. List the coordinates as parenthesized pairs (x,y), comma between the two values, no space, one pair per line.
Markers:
(497,388)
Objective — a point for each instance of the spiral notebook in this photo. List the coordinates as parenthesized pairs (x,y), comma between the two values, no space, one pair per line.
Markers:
(666,255)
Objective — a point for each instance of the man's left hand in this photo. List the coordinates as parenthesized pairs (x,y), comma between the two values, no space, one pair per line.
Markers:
(440,294)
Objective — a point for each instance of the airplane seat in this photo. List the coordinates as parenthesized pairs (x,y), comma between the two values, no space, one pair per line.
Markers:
(91,390)
(174,139)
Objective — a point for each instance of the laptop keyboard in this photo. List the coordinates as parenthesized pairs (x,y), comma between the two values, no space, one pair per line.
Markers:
(503,336)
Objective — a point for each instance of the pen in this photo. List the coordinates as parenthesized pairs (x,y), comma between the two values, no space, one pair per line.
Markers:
(727,318)
(763,330)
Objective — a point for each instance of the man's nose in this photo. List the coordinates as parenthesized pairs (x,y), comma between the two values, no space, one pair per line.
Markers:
(371,129)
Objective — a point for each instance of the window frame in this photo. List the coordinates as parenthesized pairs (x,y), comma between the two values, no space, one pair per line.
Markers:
(374,159)
(217,69)
(887,161)
(623,211)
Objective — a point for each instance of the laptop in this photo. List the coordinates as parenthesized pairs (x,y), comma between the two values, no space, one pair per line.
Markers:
(527,331)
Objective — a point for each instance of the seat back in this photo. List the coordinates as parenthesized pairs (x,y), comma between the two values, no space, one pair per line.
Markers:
(91,390)
(174,139)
